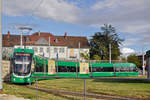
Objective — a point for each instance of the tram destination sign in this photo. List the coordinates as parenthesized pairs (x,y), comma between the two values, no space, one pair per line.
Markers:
(22,54)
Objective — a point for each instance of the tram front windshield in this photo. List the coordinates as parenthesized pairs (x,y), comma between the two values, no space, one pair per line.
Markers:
(22,64)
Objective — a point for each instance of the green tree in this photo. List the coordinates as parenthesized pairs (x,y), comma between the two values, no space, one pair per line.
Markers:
(96,57)
(6,55)
(134,59)
(100,43)
(85,55)
(123,59)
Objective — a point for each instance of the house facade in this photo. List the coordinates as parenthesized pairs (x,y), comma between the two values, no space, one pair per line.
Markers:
(48,45)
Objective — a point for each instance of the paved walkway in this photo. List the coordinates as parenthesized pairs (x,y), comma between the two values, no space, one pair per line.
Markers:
(10,97)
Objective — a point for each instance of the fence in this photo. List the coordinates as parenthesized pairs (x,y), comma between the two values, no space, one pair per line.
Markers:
(6,70)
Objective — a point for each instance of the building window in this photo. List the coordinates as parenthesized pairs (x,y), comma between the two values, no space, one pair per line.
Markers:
(61,50)
(41,49)
(55,50)
(48,49)
(35,49)
(27,40)
(56,40)
(81,50)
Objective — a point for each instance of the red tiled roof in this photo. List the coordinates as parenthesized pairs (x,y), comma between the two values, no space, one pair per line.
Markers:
(9,41)
(70,41)
(73,41)
(35,37)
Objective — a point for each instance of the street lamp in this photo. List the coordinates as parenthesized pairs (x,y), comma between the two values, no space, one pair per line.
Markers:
(24,30)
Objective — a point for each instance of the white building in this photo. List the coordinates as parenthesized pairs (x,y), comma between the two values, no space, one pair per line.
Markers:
(48,45)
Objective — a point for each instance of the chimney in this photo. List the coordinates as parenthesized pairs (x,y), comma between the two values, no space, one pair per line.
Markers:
(39,33)
(65,36)
(8,35)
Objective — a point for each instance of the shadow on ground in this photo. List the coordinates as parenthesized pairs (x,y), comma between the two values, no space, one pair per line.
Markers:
(121,81)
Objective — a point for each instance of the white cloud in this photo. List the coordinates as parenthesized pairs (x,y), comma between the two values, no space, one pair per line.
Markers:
(58,10)
(105,4)
(123,13)
(123,4)
(127,51)
(136,28)
(130,41)
(129,16)
(126,14)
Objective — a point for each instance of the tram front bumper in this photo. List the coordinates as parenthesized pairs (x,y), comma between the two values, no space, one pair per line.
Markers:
(20,80)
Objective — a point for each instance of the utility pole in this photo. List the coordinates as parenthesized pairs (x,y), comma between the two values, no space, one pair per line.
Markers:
(49,46)
(21,39)
(143,61)
(1,87)
(79,50)
(109,53)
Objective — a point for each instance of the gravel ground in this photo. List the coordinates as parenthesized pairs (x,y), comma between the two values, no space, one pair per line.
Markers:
(10,97)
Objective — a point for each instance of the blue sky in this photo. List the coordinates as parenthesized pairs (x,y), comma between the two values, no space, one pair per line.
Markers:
(82,18)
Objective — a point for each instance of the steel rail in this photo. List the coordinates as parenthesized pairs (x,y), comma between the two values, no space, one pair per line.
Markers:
(91,95)
(103,78)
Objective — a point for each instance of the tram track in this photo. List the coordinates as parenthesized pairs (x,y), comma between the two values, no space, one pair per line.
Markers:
(91,95)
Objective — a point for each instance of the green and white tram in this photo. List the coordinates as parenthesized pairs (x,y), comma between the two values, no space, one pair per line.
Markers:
(21,65)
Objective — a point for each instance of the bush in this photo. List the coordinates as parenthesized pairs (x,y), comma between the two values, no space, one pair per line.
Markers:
(96,57)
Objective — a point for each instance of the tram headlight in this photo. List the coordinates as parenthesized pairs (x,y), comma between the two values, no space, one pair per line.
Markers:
(14,79)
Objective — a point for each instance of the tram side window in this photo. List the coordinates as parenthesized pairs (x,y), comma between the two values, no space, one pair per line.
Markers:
(41,69)
(123,69)
(38,69)
(133,69)
(67,69)
(117,69)
(101,69)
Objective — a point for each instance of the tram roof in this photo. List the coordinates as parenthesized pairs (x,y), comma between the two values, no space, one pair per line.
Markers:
(101,64)
(76,64)
(124,65)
